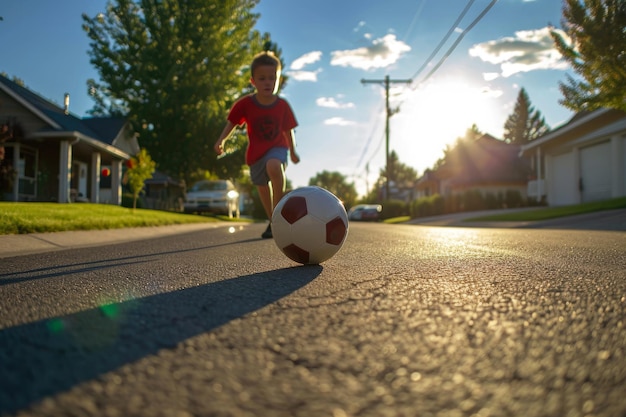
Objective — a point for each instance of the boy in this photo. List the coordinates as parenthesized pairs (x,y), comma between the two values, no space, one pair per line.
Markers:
(270,122)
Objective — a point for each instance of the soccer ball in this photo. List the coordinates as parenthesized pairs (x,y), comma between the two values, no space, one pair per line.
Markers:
(309,225)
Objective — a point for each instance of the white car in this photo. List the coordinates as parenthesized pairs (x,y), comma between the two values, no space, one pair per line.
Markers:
(213,196)
(365,212)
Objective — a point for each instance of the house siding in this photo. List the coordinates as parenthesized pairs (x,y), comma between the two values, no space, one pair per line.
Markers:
(585,159)
(57,155)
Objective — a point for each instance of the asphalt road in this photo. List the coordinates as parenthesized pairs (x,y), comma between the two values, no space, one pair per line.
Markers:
(406,320)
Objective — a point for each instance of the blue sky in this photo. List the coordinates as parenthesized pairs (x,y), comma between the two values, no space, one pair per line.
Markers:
(328,47)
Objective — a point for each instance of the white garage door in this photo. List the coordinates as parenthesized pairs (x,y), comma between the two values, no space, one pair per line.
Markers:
(595,172)
(563,186)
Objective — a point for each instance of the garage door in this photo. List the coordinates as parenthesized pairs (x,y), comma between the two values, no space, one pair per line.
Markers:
(595,172)
(563,187)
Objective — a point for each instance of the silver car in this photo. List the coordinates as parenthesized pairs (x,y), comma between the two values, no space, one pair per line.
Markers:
(213,196)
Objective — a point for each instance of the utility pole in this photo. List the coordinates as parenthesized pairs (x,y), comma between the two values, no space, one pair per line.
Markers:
(386,82)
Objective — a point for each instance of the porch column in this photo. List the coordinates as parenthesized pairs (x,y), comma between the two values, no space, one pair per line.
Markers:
(539,178)
(15,193)
(95,177)
(65,171)
(618,175)
(116,182)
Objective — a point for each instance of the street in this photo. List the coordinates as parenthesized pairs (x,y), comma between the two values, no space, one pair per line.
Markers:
(405,320)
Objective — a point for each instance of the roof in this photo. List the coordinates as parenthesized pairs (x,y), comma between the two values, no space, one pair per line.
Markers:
(103,129)
(485,159)
(576,126)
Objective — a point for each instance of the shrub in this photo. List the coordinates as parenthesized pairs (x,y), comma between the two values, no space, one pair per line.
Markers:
(394,208)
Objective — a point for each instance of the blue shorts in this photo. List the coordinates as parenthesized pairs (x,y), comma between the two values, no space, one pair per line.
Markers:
(258,171)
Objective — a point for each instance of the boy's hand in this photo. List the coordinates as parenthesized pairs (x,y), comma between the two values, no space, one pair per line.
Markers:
(219,148)
(295,158)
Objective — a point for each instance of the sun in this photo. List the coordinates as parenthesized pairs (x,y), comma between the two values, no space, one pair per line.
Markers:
(435,115)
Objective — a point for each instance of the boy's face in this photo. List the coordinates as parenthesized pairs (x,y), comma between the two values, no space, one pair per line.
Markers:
(265,80)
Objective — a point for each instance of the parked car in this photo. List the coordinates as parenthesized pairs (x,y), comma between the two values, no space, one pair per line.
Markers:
(365,212)
(213,196)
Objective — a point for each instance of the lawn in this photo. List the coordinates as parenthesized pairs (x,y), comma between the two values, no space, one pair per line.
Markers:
(18,218)
(548,213)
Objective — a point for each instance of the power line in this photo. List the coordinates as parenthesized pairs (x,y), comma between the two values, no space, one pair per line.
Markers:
(386,81)
(458,40)
(445,38)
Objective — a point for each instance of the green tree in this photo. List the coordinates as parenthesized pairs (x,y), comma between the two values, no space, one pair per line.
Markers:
(337,184)
(596,52)
(400,175)
(525,123)
(139,169)
(173,68)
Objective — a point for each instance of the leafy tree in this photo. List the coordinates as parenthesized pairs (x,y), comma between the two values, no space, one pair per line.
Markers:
(525,123)
(400,174)
(173,68)
(597,29)
(139,169)
(337,184)
(471,133)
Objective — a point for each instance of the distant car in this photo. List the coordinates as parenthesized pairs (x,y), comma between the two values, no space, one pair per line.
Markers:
(365,212)
(213,196)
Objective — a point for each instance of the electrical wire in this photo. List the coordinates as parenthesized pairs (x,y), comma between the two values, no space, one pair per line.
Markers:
(458,40)
(413,85)
(444,39)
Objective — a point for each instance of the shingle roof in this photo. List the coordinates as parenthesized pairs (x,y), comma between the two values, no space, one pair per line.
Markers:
(104,129)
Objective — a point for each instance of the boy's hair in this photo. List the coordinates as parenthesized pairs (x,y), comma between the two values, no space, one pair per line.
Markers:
(265,58)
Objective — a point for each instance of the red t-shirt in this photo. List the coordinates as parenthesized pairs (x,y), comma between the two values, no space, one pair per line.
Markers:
(265,124)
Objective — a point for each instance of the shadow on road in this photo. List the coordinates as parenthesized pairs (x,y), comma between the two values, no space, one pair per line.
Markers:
(51,356)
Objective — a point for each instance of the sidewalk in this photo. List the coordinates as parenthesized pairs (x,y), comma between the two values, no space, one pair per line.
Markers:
(611,220)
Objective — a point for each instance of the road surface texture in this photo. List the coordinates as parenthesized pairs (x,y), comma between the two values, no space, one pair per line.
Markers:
(406,320)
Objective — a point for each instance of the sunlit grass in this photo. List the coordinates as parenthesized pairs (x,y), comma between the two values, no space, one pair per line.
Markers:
(554,212)
(18,218)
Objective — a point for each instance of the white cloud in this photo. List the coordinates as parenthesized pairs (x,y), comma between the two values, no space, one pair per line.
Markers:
(490,76)
(306,59)
(330,102)
(380,54)
(303,75)
(529,50)
(338,121)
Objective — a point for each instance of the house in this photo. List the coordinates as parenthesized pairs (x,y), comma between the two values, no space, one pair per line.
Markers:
(485,165)
(584,160)
(58,156)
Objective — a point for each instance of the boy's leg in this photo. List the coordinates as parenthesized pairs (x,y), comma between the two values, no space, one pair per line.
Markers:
(276,173)
(266,199)
(265,194)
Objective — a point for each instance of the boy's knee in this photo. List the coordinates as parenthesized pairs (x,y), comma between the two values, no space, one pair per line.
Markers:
(274,167)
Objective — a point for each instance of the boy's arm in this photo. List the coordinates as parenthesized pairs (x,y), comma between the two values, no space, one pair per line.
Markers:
(291,140)
(219,145)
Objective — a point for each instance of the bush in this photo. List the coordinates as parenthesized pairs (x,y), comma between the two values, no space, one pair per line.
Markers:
(128,200)
(427,206)
(513,198)
(394,208)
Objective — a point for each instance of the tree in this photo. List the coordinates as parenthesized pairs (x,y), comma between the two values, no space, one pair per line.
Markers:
(597,29)
(173,68)
(140,168)
(525,123)
(400,175)
(337,184)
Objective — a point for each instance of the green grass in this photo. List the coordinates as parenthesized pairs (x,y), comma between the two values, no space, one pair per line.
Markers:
(553,212)
(539,213)
(19,218)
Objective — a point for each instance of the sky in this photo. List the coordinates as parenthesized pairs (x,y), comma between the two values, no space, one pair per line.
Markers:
(451,63)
